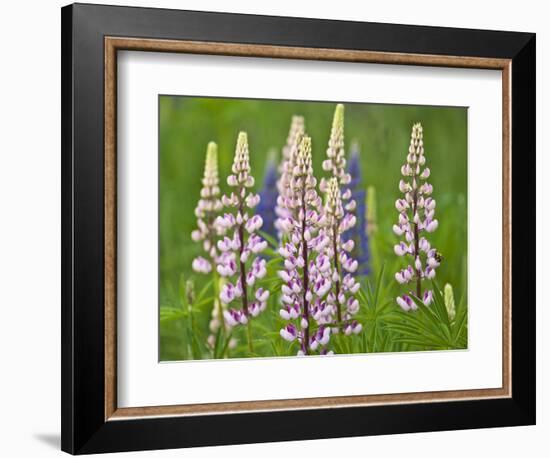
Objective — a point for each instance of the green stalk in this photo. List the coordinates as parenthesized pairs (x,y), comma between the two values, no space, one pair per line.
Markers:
(249,335)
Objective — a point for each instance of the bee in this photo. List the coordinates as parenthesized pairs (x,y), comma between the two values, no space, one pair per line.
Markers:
(438,257)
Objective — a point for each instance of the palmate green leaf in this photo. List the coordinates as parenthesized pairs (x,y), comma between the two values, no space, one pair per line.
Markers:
(387,307)
(418,342)
(379,285)
(385,342)
(199,305)
(422,327)
(338,346)
(436,313)
(373,314)
(420,331)
(170,314)
(275,348)
(439,306)
(459,329)
(423,341)
(372,333)
(362,296)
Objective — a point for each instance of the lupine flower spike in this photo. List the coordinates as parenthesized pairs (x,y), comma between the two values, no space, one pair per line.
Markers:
(297,131)
(416,218)
(344,285)
(339,210)
(206,212)
(207,232)
(306,273)
(238,261)
(358,233)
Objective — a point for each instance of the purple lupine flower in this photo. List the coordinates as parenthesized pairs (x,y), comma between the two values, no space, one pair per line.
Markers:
(207,231)
(344,285)
(406,303)
(306,277)
(268,198)
(282,212)
(339,219)
(359,233)
(416,217)
(241,244)
(207,209)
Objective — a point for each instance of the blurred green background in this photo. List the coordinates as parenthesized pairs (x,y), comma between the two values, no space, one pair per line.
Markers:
(187,124)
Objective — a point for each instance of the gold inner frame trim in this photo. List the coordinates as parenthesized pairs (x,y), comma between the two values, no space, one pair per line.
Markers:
(114,44)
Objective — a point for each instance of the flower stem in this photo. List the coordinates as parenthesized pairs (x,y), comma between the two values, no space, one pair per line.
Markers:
(337,269)
(249,335)
(218,307)
(416,245)
(305,280)
(243,285)
(242,268)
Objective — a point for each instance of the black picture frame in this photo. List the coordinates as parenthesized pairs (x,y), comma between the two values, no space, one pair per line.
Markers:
(84,427)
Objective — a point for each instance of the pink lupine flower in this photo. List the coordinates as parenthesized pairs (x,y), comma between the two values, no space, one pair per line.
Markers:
(234,317)
(241,244)
(206,212)
(297,131)
(353,327)
(320,338)
(227,265)
(406,303)
(416,215)
(306,280)
(340,219)
(201,265)
(289,332)
(427,298)
(207,209)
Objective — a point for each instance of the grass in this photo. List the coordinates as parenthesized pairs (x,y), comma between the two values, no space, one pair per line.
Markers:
(187,124)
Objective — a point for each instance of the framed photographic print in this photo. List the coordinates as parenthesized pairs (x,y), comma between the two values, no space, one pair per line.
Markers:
(281,228)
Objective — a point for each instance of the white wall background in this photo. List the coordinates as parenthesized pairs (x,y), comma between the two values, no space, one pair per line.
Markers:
(30,227)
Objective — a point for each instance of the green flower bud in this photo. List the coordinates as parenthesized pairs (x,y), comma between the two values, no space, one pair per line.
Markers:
(449,301)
